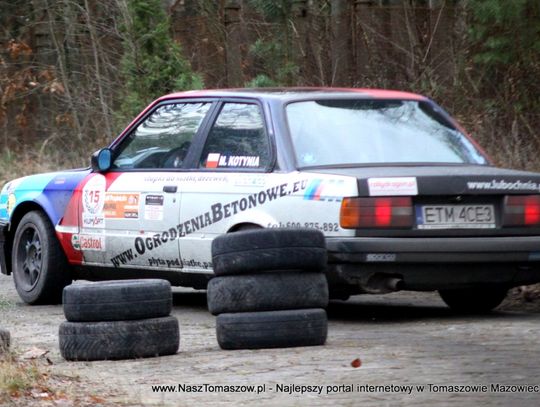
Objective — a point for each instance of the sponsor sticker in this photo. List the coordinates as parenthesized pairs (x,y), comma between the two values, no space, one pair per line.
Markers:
(152,179)
(153,207)
(11,201)
(381,257)
(324,190)
(93,197)
(93,221)
(121,205)
(86,242)
(392,186)
(504,185)
(250,181)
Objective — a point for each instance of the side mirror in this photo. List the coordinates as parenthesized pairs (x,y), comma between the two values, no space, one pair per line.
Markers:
(101,160)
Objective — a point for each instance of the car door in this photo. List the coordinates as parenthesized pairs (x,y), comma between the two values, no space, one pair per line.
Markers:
(231,164)
(130,214)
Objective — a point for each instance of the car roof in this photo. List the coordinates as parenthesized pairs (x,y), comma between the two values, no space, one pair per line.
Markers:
(297,93)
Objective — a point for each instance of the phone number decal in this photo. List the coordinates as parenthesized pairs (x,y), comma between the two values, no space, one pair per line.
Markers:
(323,226)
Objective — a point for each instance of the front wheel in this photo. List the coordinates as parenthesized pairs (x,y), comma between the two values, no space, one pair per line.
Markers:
(40,269)
(474,300)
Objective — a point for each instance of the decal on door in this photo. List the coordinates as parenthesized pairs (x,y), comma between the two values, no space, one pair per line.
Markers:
(153,207)
(87,242)
(121,205)
(93,200)
(216,213)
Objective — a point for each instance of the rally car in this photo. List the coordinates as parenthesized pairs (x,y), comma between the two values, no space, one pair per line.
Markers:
(405,199)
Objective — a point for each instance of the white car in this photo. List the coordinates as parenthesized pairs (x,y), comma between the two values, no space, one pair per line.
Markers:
(405,199)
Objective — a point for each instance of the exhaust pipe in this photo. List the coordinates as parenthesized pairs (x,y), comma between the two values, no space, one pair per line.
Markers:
(393,283)
(382,284)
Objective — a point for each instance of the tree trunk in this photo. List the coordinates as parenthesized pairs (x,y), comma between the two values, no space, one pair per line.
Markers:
(233,42)
(341,43)
(299,25)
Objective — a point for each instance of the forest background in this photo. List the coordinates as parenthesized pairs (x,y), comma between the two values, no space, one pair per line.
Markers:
(74,72)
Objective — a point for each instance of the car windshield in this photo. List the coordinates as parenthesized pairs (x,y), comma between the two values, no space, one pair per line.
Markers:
(359,131)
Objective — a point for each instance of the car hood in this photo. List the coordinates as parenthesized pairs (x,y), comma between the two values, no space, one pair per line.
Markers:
(50,190)
(443,179)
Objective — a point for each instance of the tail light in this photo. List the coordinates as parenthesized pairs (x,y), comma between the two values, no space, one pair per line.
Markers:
(387,212)
(521,210)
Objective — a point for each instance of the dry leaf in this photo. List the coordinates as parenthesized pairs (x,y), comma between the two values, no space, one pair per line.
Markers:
(34,353)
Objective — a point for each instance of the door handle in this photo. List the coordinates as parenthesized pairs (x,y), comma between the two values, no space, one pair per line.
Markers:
(170,189)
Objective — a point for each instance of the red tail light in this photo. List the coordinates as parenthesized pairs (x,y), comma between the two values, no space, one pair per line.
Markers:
(521,210)
(376,213)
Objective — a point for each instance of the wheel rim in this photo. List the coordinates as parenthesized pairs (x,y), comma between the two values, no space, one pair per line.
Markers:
(30,262)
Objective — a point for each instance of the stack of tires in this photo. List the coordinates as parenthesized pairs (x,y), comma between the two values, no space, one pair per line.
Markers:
(270,290)
(118,320)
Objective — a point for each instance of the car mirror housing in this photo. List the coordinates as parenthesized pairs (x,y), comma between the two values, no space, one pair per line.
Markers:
(101,160)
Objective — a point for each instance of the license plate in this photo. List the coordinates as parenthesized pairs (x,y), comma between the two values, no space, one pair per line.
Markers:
(455,217)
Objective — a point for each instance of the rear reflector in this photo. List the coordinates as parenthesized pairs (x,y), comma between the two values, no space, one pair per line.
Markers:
(387,212)
(521,210)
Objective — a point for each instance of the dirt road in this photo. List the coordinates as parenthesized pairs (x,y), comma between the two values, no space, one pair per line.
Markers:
(404,339)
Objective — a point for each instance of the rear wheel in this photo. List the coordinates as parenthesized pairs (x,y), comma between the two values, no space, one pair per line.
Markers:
(40,269)
(474,300)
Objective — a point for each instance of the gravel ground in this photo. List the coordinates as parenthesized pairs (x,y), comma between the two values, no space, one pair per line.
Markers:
(400,339)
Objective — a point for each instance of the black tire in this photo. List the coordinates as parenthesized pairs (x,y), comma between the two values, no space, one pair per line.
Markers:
(268,250)
(476,300)
(5,339)
(267,292)
(40,268)
(117,300)
(272,329)
(112,340)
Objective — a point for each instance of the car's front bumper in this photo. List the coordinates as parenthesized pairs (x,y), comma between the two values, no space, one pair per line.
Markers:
(4,227)
(434,263)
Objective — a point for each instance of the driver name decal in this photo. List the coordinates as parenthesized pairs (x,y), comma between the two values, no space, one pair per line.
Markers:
(216,160)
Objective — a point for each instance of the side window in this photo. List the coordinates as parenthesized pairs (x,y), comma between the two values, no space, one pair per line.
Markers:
(237,139)
(163,138)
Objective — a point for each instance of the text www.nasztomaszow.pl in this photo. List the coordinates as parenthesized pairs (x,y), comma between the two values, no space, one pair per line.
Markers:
(347,388)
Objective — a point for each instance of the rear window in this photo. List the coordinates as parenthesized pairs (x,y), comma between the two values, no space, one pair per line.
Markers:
(352,131)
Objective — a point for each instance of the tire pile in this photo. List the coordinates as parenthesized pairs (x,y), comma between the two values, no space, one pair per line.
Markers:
(270,290)
(118,320)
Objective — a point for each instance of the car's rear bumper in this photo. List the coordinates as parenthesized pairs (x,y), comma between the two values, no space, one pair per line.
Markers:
(3,252)
(433,263)
(434,250)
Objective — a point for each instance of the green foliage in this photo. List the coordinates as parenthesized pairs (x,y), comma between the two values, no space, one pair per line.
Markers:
(506,51)
(153,63)
(274,55)
(273,10)
(262,81)
(507,31)
(278,71)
